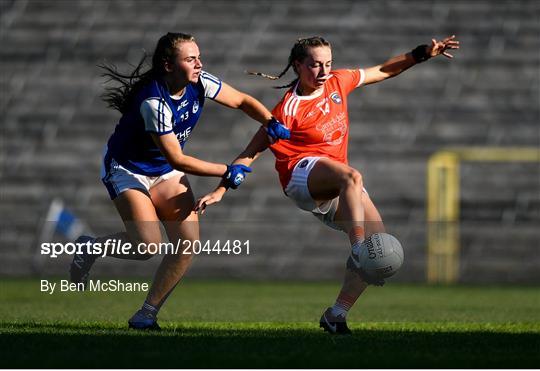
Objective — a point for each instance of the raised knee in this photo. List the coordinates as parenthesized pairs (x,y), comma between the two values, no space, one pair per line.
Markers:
(352,178)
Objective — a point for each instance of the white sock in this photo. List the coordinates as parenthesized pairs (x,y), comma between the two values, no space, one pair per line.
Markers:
(149,309)
(339,310)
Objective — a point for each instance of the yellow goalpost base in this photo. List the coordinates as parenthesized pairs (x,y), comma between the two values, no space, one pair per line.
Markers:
(443,195)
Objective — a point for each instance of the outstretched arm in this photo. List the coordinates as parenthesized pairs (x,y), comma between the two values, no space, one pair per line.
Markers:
(170,148)
(396,65)
(232,98)
(256,146)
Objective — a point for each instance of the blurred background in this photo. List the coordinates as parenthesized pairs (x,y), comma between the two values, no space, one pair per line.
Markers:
(54,126)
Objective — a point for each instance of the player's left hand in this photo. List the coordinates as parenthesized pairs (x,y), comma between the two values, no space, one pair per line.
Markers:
(235,175)
(441,47)
(209,199)
(276,130)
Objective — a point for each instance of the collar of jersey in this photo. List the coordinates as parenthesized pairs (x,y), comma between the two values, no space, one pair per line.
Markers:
(178,97)
(175,98)
(308,97)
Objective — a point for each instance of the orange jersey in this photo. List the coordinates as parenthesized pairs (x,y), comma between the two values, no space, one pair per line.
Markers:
(319,123)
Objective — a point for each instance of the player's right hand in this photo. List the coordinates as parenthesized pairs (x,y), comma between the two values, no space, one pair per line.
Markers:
(235,175)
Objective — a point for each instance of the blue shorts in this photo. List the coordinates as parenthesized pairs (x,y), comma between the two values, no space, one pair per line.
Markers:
(118,179)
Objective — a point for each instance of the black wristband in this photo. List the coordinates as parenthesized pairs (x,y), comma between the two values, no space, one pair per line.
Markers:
(226,179)
(224,176)
(419,53)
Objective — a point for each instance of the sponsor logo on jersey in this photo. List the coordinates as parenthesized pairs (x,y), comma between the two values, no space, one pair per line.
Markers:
(182,105)
(182,137)
(195,106)
(334,131)
(335,97)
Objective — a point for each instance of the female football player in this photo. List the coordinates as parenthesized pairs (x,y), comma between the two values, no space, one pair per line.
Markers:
(144,167)
(312,165)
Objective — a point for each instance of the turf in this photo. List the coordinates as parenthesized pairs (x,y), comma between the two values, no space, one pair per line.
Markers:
(266,325)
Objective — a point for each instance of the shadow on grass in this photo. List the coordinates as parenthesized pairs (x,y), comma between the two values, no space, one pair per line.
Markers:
(34,345)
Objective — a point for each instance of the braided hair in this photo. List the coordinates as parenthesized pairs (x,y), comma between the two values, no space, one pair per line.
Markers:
(299,52)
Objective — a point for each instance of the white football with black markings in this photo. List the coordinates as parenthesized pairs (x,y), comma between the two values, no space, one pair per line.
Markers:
(381,255)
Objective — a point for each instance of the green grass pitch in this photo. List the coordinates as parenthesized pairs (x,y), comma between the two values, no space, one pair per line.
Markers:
(236,324)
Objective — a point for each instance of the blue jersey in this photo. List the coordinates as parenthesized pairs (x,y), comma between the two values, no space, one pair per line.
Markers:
(155,110)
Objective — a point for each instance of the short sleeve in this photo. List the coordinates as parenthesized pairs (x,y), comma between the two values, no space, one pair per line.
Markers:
(350,79)
(157,116)
(279,115)
(211,84)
